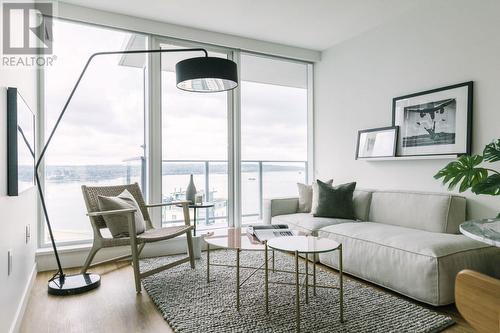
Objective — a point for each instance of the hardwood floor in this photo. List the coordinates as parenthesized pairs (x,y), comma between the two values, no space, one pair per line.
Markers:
(115,307)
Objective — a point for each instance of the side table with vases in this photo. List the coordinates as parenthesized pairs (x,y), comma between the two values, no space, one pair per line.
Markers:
(195,207)
(196,239)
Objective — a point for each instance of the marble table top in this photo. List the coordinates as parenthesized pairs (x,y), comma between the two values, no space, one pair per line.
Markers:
(486,231)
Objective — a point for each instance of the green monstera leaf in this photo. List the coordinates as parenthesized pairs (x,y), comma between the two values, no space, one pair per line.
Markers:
(463,171)
(490,186)
(491,152)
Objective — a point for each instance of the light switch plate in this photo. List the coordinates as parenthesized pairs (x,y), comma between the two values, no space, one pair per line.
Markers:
(28,233)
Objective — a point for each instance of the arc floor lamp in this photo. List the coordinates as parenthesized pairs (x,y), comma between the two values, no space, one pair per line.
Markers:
(199,74)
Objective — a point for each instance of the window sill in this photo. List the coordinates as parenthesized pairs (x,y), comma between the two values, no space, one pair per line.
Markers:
(43,251)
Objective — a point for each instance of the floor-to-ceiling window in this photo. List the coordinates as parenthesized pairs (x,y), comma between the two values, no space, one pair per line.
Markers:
(106,136)
(194,142)
(100,140)
(274,125)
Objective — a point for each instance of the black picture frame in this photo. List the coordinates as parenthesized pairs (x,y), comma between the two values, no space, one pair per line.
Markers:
(469,85)
(20,143)
(379,129)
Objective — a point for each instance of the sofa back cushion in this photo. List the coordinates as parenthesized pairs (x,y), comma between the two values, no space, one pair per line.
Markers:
(308,196)
(361,200)
(435,212)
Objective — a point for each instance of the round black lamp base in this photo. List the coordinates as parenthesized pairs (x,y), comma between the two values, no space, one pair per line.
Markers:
(74,284)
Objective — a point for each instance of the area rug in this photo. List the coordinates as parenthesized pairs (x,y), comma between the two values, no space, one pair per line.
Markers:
(190,304)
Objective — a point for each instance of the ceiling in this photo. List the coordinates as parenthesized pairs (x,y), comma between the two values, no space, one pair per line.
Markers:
(312,24)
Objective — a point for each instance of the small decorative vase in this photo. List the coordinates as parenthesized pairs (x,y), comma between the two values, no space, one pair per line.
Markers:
(191,190)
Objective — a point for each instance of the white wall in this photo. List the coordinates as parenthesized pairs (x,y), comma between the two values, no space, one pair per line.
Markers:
(15,212)
(440,43)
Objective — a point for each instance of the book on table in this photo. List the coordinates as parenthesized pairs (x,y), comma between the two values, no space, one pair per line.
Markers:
(264,232)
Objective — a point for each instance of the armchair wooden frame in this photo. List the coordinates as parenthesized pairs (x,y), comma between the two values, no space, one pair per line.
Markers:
(477,297)
(136,242)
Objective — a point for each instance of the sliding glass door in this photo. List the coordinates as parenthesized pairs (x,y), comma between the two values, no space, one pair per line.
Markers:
(274,128)
(194,137)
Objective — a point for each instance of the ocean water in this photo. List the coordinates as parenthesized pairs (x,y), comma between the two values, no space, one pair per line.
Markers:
(67,208)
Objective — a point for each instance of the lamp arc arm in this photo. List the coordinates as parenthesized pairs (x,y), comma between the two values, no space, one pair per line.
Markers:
(60,272)
(80,77)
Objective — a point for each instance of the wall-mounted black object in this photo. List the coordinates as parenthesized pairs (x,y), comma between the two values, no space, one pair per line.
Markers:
(20,144)
(201,74)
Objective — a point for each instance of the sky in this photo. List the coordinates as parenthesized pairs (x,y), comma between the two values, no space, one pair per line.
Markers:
(104,123)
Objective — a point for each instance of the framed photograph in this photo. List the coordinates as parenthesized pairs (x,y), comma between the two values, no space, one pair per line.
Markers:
(20,144)
(434,122)
(377,142)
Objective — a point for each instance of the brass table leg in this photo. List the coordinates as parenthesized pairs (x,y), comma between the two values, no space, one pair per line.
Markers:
(208,263)
(238,279)
(297,291)
(307,278)
(194,221)
(266,277)
(273,260)
(341,287)
(314,276)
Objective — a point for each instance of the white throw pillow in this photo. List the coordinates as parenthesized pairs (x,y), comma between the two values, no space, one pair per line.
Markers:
(118,224)
(307,200)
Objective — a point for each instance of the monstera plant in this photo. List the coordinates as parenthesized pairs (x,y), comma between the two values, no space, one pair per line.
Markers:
(470,172)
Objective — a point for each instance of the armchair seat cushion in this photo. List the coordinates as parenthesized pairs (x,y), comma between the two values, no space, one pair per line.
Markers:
(154,235)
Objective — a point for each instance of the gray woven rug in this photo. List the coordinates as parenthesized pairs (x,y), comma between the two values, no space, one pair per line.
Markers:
(189,304)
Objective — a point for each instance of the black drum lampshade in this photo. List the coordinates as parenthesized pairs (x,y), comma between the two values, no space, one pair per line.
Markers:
(206,74)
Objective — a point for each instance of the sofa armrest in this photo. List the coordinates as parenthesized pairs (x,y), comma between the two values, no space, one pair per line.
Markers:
(279,206)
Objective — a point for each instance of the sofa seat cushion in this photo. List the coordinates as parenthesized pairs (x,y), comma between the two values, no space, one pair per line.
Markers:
(420,264)
(432,244)
(306,222)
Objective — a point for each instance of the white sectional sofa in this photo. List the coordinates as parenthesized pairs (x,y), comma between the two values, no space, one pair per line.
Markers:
(405,241)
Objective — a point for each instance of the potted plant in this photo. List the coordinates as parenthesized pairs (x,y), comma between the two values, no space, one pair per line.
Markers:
(468,172)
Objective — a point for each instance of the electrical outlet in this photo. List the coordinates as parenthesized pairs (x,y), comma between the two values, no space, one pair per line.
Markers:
(9,261)
(28,233)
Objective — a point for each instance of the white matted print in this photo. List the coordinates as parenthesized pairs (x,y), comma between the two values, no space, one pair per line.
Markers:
(377,142)
(434,122)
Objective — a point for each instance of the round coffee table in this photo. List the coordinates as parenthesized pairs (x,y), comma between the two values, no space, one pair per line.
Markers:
(308,245)
(234,239)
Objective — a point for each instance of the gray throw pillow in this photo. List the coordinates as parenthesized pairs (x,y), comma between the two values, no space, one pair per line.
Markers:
(335,202)
(306,196)
(118,224)
(314,204)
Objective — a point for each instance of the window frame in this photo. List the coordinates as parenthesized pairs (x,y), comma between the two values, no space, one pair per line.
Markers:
(153,128)
(156,128)
(42,130)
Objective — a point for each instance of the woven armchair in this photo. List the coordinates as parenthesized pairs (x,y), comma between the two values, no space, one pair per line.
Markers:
(137,242)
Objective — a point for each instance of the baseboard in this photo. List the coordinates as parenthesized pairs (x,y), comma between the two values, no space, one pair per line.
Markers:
(74,256)
(21,308)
